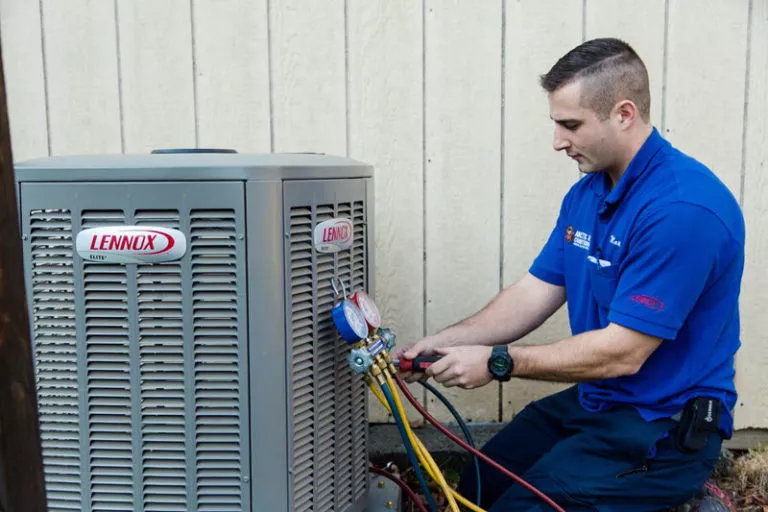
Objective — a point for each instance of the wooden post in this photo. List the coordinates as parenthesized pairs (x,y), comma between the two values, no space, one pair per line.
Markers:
(21,473)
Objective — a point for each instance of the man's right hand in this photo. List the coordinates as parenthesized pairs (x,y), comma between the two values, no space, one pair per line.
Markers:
(422,347)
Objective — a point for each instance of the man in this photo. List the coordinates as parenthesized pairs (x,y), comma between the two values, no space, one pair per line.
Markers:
(648,248)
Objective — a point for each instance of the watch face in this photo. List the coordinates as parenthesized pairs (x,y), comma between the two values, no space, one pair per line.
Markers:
(499,366)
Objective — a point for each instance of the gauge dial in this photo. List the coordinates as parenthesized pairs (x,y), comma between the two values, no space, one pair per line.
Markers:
(349,321)
(368,308)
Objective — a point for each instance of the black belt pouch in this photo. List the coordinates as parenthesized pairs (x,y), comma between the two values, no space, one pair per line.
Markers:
(700,418)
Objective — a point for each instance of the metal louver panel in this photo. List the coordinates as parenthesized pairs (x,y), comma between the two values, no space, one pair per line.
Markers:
(213,250)
(107,346)
(161,352)
(54,330)
(329,423)
(325,334)
(344,379)
(302,359)
(141,369)
(359,410)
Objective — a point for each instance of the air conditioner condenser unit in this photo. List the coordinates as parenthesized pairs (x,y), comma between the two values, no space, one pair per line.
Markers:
(184,350)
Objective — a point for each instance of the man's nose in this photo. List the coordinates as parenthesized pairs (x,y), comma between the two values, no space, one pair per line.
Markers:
(559,143)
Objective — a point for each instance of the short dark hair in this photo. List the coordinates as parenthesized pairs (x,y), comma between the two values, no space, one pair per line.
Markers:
(611,71)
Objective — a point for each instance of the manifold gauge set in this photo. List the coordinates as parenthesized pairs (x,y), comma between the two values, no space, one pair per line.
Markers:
(358,320)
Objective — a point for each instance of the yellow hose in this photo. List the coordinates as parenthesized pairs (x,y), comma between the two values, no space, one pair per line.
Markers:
(435,472)
(422,452)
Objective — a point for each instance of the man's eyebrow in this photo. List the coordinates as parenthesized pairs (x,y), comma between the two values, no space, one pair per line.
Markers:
(565,121)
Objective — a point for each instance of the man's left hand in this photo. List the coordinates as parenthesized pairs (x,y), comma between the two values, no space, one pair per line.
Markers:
(466,367)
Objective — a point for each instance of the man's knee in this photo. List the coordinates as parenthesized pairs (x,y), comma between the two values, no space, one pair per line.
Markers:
(517,447)
(520,499)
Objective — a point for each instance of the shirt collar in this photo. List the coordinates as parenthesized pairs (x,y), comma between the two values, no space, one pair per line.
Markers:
(640,162)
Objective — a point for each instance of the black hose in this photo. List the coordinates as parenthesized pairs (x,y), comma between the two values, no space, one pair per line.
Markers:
(463,427)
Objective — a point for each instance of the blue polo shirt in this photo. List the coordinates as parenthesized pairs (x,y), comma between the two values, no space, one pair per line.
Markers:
(661,253)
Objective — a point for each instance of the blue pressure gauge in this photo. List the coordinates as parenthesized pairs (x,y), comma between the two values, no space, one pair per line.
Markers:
(349,321)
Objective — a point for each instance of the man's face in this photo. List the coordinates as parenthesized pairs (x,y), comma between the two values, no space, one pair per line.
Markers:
(580,133)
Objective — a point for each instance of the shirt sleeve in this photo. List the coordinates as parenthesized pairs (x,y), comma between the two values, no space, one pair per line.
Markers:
(548,265)
(672,255)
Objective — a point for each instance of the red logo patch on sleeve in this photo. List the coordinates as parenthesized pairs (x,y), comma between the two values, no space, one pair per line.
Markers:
(648,301)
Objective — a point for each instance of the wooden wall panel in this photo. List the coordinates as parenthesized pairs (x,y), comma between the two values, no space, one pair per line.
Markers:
(21,31)
(231,53)
(752,359)
(706,61)
(308,76)
(156,71)
(81,68)
(441,97)
(463,174)
(536,177)
(385,129)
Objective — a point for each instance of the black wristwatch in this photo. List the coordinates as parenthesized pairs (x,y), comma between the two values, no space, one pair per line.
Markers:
(500,364)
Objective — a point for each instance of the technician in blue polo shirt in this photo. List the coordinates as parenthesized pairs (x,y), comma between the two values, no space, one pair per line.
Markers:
(648,248)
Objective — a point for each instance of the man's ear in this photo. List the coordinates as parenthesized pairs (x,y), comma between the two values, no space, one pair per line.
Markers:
(626,113)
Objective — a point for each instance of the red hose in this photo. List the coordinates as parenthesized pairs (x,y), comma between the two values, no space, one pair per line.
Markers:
(402,485)
(478,453)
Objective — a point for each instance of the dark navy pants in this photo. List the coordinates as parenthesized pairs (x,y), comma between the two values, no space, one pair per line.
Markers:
(585,461)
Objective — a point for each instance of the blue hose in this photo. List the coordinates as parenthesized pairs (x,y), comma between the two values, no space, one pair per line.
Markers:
(409,447)
(463,427)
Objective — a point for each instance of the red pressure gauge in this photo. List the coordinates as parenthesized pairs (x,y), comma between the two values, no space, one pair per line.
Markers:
(368,308)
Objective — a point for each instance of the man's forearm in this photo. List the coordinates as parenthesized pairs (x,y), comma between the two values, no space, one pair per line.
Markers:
(512,314)
(593,355)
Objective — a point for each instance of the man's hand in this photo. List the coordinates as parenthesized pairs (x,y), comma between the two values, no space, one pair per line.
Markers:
(422,347)
(466,367)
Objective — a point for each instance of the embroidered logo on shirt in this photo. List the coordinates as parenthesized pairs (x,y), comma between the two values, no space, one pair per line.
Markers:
(599,262)
(582,239)
(569,234)
(615,242)
(577,238)
(648,301)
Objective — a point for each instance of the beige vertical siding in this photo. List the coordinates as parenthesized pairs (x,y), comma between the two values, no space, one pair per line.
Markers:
(441,96)
(752,360)
(232,74)
(535,177)
(463,170)
(156,74)
(308,73)
(22,41)
(83,107)
(706,69)
(386,112)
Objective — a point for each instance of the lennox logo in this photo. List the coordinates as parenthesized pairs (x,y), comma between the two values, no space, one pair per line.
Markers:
(333,235)
(131,244)
(648,301)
